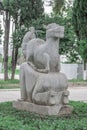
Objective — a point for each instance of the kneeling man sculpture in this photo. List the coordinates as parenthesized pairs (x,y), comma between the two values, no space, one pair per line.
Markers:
(43,86)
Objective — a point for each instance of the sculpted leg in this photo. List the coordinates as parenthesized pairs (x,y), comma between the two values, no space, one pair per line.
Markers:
(39,96)
(30,78)
(44,94)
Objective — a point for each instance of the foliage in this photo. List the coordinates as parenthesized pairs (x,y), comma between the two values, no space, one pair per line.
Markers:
(79,20)
(68,45)
(17,37)
(83,49)
(34,9)
(24,15)
(12,119)
(58,5)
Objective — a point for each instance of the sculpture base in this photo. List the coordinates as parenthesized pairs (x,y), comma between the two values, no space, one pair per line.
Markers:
(45,110)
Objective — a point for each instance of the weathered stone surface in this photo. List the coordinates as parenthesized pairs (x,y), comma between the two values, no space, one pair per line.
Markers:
(43,86)
(50,90)
(40,88)
(40,109)
(45,54)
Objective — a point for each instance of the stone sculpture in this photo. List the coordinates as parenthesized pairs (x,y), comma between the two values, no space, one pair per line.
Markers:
(43,86)
(45,54)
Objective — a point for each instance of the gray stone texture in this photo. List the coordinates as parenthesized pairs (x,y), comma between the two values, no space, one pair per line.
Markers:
(43,87)
(40,109)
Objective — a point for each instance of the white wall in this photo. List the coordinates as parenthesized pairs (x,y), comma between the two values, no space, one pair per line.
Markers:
(72,71)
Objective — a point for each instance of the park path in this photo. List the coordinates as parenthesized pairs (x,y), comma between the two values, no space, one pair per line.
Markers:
(76,94)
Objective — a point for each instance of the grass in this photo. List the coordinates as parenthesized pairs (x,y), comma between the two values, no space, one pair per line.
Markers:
(9,84)
(77,80)
(15,81)
(12,84)
(12,119)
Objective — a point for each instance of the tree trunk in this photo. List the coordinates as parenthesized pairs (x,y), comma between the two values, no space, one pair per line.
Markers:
(85,71)
(84,65)
(14,61)
(6,42)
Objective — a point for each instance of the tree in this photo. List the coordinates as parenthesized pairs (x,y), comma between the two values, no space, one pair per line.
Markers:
(17,37)
(68,45)
(6,37)
(79,20)
(62,14)
(58,5)
(34,9)
(22,17)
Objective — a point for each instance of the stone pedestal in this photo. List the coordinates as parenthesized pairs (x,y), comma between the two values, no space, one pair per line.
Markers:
(41,109)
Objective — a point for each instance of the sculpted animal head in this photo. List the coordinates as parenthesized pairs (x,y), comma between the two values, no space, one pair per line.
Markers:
(54,30)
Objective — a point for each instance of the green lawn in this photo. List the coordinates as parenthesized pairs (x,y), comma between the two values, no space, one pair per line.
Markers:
(12,84)
(9,84)
(77,80)
(12,119)
(15,81)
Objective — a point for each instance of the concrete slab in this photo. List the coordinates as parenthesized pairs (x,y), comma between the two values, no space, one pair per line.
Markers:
(78,94)
(9,95)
